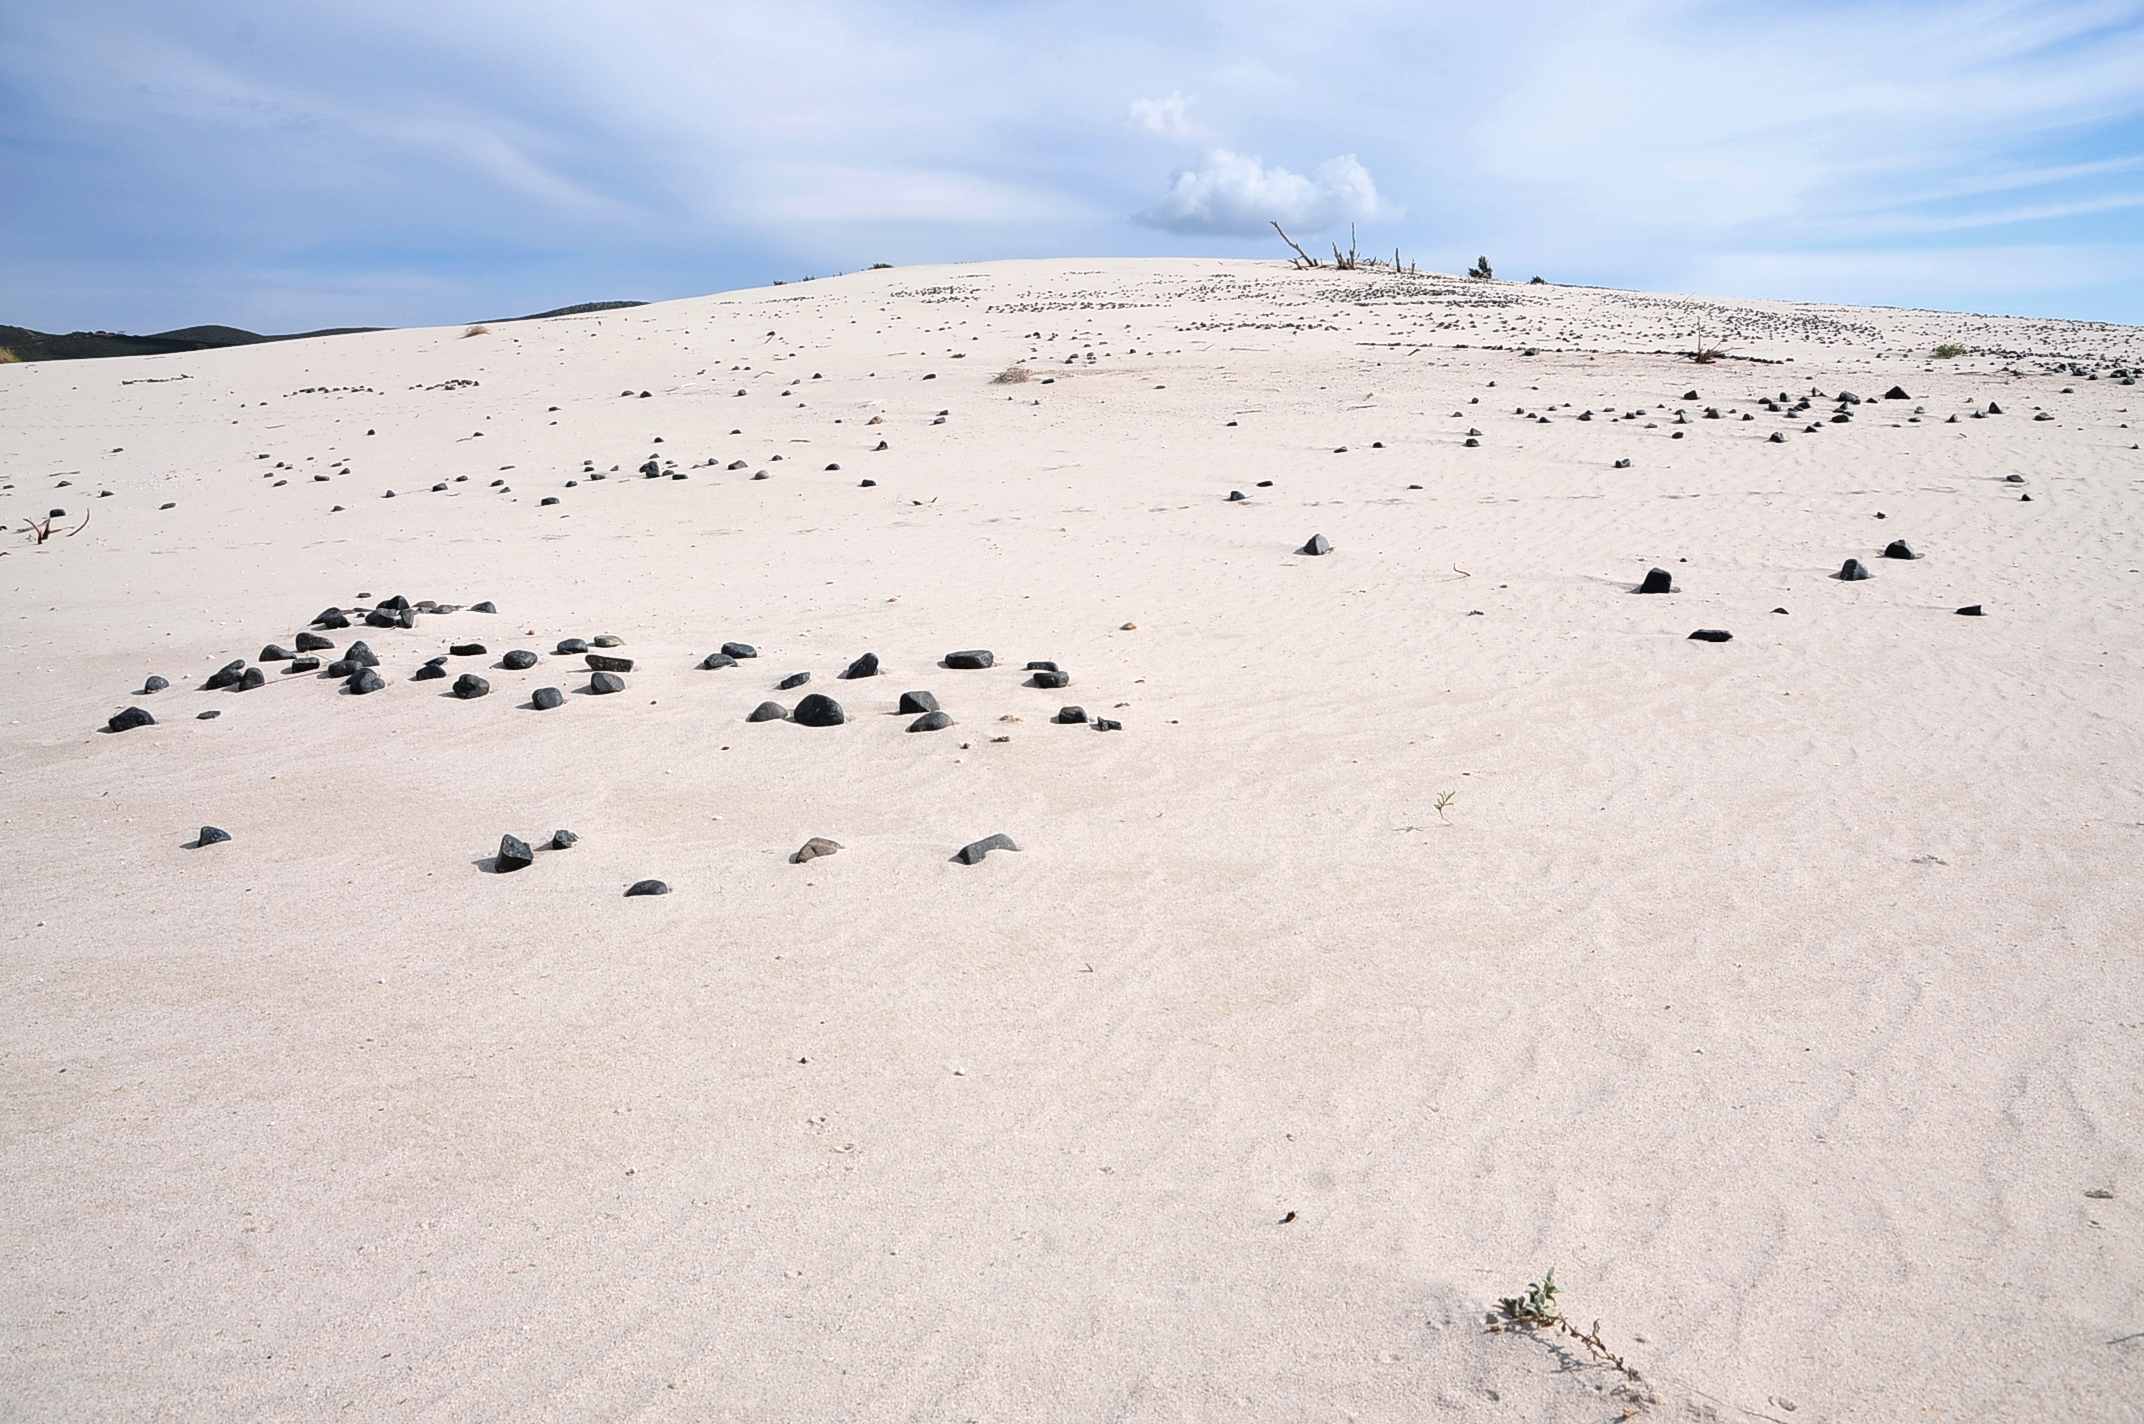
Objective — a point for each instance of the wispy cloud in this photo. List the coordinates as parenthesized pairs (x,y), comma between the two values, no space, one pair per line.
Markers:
(1168,117)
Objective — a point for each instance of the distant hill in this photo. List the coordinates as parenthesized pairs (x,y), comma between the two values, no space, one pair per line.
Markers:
(582,310)
(22,344)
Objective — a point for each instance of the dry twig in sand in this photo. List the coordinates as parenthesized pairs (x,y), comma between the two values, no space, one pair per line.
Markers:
(40,530)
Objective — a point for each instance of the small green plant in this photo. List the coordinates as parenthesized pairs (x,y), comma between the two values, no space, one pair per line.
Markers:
(1444,799)
(1013,375)
(1481,271)
(1537,1309)
(478,330)
(7,357)
(882,266)
(1948,351)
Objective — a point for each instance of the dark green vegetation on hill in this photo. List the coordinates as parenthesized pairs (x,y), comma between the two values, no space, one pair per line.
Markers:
(19,343)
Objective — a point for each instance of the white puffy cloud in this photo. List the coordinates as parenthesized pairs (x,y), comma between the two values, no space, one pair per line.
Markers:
(1236,194)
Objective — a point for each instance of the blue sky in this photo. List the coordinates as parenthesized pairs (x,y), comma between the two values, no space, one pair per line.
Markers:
(293,165)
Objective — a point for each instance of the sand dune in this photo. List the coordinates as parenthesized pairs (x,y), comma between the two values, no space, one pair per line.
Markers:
(1783,994)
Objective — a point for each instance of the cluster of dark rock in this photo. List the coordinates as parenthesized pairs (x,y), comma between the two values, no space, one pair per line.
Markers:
(819,710)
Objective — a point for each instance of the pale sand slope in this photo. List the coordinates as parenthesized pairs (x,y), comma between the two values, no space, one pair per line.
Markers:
(1784,995)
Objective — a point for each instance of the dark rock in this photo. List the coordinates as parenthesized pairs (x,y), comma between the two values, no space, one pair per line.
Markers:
(1777,438)
(226,675)
(969,659)
(819,710)
(1657,581)
(427,673)
(211,835)
(603,662)
(1071,714)
(274,654)
(1237,496)
(1319,545)
(1852,571)
(973,852)
(484,607)
(1971,610)
(1896,393)
(718,660)
(1108,724)
(469,685)
(154,683)
(767,712)
(302,665)
(514,854)
(208,716)
(360,653)
(1711,635)
(795,679)
(915,703)
(520,660)
(1050,679)
(569,646)
(812,849)
(129,719)
(563,840)
(865,666)
(606,640)
(740,650)
(314,643)
(603,683)
(2013,479)
(467,650)
(931,722)
(1040,665)
(251,678)
(547,698)
(646,887)
(362,681)
(1899,549)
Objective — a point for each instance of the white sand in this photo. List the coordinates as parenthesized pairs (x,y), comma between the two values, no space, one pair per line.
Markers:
(1785,995)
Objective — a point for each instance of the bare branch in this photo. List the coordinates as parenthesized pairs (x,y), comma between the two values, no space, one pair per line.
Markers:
(1303,259)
